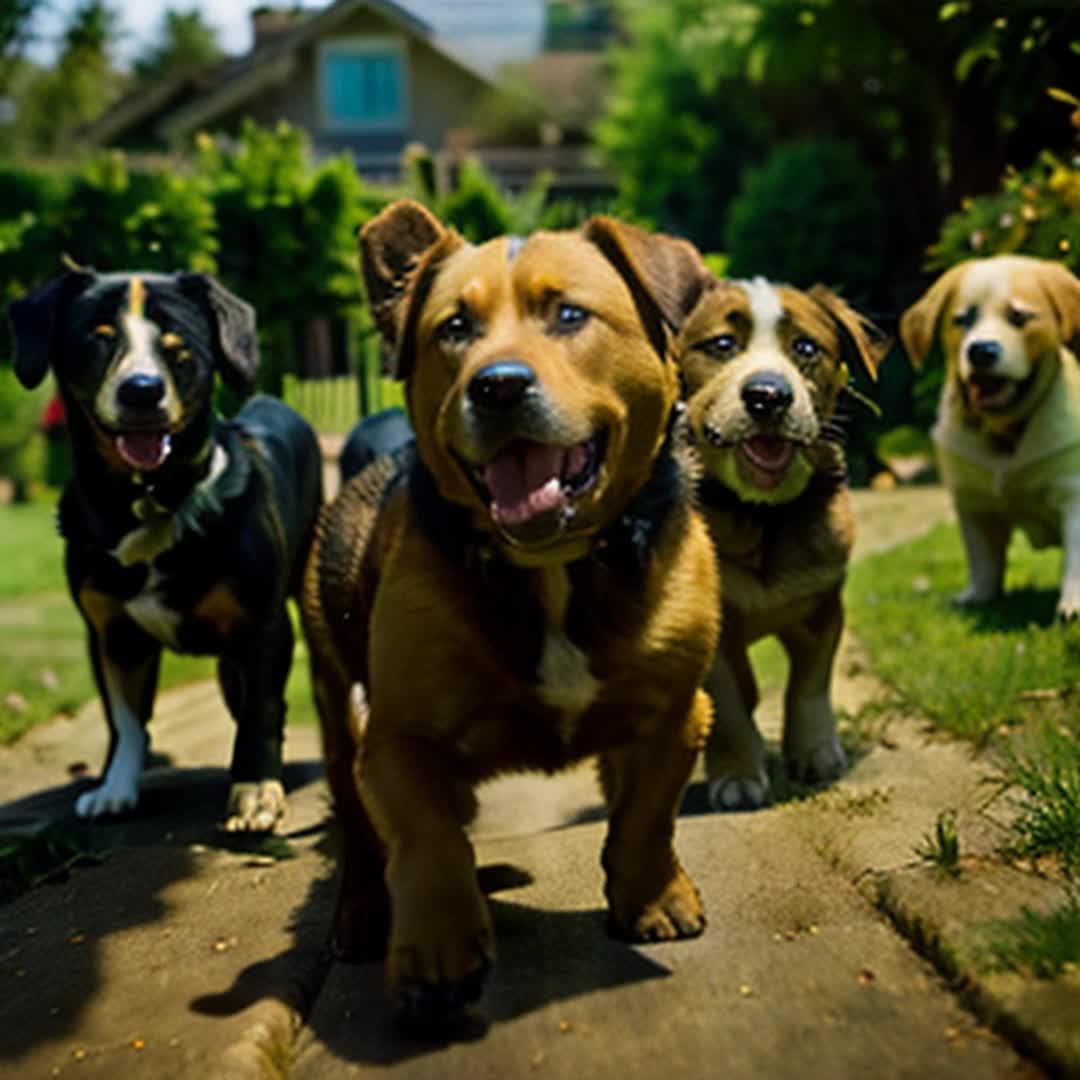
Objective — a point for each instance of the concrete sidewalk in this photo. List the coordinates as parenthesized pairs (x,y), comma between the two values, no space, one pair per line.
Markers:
(176,954)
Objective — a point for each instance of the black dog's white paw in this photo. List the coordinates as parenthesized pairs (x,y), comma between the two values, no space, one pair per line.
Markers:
(255,806)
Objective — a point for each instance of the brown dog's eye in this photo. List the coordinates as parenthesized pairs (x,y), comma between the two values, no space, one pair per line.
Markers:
(965,318)
(1019,317)
(455,330)
(719,347)
(806,347)
(570,318)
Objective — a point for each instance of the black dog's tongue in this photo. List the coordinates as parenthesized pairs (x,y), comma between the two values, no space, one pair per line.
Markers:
(144,450)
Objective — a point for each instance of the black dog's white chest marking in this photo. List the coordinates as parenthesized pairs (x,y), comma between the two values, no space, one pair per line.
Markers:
(150,611)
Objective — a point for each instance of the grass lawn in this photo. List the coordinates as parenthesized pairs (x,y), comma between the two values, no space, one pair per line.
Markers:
(44,669)
(1007,676)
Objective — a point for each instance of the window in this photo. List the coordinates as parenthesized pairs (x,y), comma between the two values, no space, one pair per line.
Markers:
(362,84)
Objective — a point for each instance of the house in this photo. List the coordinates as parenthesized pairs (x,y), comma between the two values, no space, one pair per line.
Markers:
(368,77)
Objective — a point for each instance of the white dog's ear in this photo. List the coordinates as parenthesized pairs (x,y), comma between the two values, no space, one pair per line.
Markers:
(1063,290)
(918,325)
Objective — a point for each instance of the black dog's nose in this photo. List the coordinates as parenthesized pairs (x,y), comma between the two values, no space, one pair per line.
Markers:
(500,386)
(141,391)
(983,355)
(766,394)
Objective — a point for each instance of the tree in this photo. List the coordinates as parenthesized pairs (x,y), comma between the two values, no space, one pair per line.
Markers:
(939,97)
(677,131)
(15,18)
(80,85)
(185,43)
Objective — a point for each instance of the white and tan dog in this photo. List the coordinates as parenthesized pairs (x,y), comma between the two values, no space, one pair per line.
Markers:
(1008,427)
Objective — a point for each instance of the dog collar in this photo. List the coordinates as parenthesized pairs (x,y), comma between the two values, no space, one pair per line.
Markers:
(624,547)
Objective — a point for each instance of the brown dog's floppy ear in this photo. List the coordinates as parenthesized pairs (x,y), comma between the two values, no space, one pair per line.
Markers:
(236,343)
(864,341)
(918,325)
(666,276)
(1063,289)
(34,318)
(398,248)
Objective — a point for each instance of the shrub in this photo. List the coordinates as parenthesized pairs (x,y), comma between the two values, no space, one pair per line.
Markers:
(1035,212)
(810,213)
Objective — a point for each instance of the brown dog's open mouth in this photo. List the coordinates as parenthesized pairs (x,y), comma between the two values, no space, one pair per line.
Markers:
(530,487)
(770,455)
(992,393)
(143,451)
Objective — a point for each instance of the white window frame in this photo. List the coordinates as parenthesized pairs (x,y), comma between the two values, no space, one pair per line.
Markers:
(352,46)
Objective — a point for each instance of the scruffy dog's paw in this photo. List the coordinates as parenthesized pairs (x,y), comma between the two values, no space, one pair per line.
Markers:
(676,913)
(255,807)
(818,765)
(729,793)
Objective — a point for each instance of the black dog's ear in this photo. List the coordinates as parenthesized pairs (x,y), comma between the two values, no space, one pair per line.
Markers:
(400,248)
(34,319)
(236,343)
(666,276)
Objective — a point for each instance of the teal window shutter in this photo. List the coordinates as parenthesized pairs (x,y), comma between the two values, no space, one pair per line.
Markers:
(363,88)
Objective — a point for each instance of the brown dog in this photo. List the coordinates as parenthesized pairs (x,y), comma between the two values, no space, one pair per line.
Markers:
(763,367)
(1008,427)
(529,587)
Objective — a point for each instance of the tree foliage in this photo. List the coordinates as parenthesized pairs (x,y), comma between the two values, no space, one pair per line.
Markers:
(185,42)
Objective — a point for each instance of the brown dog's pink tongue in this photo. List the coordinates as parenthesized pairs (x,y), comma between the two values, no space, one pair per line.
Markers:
(525,480)
(769,451)
(143,450)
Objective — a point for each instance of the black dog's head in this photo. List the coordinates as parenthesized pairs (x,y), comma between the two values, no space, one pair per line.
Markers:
(134,355)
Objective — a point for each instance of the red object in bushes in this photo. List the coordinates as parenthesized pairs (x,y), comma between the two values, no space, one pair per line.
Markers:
(53,418)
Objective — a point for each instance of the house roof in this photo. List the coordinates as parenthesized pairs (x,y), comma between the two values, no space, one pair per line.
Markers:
(199,99)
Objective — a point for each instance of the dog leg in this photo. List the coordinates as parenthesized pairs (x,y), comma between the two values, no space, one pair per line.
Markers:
(650,896)
(441,938)
(127,694)
(986,539)
(253,685)
(812,752)
(735,751)
(1069,602)
(362,919)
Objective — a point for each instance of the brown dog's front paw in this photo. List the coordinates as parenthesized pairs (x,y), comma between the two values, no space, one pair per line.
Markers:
(255,807)
(435,981)
(676,913)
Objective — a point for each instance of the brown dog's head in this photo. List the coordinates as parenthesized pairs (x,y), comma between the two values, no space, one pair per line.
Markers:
(762,368)
(537,372)
(1001,323)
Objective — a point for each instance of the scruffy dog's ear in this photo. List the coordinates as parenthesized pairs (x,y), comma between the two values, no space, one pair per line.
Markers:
(666,276)
(864,342)
(34,320)
(918,325)
(400,249)
(1063,289)
(236,342)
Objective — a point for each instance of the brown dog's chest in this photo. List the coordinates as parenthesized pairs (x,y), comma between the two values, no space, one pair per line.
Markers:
(773,563)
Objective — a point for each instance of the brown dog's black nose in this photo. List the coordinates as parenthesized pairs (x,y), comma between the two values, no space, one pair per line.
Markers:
(141,391)
(500,386)
(767,394)
(983,355)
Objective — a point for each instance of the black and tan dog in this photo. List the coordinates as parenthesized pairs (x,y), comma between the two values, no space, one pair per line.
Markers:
(763,367)
(181,530)
(531,588)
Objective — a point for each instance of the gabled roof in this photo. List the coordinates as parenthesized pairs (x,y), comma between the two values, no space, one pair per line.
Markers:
(201,98)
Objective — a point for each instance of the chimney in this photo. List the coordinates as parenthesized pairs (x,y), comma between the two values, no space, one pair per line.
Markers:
(270,23)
